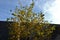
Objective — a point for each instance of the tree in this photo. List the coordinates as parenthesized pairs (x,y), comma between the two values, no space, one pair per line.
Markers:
(29,25)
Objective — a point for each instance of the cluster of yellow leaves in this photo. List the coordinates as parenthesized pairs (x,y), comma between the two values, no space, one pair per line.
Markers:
(27,29)
(28,24)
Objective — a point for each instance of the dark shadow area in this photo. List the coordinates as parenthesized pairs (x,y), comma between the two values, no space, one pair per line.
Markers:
(56,32)
(4,31)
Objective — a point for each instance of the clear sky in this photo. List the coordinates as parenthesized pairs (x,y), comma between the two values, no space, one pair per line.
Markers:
(5,7)
(55,11)
(49,7)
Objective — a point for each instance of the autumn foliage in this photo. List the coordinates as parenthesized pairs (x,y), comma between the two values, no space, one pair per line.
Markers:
(29,25)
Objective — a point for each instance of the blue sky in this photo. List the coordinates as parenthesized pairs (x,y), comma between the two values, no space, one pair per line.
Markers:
(5,7)
(48,7)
